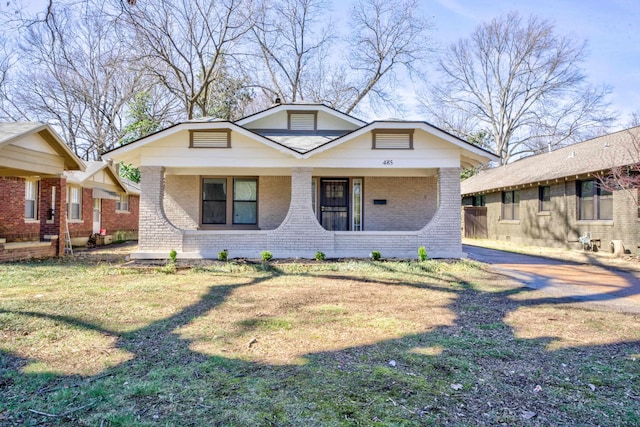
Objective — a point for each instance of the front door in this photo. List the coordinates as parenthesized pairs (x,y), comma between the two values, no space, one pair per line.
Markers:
(96,215)
(334,204)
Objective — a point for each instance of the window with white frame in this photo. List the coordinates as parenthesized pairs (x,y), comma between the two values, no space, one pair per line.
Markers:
(122,204)
(31,199)
(74,202)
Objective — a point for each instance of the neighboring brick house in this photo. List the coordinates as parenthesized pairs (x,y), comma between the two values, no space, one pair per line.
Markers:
(33,160)
(554,198)
(299,178)
(101,202)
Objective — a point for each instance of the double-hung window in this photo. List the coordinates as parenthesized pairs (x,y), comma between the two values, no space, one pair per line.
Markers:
(594,202)
(544,198)
(122,204)
(229,201)
(31,199)
(74,202)
(511,205)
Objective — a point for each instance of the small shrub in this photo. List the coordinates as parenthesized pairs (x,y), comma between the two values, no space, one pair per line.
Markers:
(266,256)
(223,255)
(320,256)
(375,255)
(422,254)
(173,256)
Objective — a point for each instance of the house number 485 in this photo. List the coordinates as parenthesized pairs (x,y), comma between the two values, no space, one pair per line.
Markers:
(387,162)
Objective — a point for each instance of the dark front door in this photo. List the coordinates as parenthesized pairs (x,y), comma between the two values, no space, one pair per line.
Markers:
(334,204)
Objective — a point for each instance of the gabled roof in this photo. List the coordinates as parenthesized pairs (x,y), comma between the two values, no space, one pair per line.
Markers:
(13,131)
(594,155)
(303,144)
(300,106)
(81,177)
(401,124)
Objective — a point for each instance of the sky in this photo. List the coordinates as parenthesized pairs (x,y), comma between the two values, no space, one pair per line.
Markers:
(611,28)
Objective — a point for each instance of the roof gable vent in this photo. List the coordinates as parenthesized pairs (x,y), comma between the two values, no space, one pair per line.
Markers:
(211,139)
(393,140)
(299,120)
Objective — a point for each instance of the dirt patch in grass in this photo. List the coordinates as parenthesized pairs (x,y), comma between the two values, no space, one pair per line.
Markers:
(323,344)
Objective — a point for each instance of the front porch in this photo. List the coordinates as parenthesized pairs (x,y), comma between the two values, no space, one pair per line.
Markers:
(345,213)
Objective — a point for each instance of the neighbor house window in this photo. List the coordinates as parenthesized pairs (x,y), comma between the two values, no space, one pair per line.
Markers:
(31,199)
(511,205)
(544,198)
(229,201)
(74,202)
(594,202)
(122,204)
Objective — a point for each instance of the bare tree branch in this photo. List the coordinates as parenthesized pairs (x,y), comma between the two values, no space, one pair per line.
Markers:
(521,81)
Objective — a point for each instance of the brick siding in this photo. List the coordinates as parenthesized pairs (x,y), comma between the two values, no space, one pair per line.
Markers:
(121,224)
(13,225)
(411,202)
(84,226)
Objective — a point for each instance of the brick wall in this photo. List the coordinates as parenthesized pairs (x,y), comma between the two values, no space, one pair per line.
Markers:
(182,201)
(411,202)
(28,251)
(274,198)
(13,226)
(84,227)
(120,224)
(156,233)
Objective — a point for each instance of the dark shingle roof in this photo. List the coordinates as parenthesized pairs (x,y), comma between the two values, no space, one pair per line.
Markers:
(594,155)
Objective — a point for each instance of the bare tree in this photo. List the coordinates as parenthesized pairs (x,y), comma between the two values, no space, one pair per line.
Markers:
(523,82)
(183,44)
(386,35)
(74,75)
(291,39)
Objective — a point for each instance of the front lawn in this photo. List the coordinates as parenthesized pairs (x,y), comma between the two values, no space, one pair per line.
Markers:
(322,344)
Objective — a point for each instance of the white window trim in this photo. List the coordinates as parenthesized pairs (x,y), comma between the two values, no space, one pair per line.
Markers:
(36,199)
(69,204)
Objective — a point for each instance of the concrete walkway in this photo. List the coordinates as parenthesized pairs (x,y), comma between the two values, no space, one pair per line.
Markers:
(599,285)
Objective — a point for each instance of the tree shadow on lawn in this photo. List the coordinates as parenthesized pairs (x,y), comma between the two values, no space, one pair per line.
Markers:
(478,370)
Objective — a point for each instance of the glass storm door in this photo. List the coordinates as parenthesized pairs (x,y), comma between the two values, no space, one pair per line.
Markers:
(97,214)
(334,204)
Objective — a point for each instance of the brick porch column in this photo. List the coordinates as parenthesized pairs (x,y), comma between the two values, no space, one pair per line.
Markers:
(443,236)
(300,234)
(155,233)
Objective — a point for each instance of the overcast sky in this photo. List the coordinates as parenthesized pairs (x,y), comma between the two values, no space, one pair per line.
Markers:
(611,28)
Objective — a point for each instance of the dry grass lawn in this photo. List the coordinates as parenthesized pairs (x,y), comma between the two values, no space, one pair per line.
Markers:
(353,343)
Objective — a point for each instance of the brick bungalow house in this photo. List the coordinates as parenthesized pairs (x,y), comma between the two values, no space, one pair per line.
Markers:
(99,201)
(299,178)
(552,199)
(33,160)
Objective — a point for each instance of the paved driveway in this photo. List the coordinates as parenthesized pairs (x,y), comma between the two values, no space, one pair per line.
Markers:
(598,285)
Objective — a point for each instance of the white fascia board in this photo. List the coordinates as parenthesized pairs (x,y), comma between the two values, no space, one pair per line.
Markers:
(300,107)
(472,149)
(124,153)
